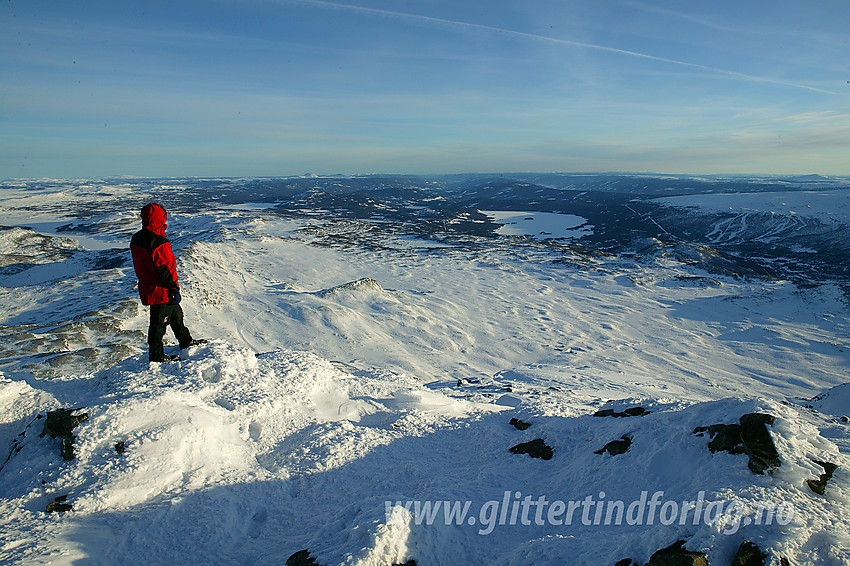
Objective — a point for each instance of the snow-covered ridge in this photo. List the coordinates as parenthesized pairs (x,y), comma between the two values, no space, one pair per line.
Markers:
(263,455)
(826,206)
(224,419)
(798,235)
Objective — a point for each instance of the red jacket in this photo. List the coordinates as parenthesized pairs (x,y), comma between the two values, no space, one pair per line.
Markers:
(153,258)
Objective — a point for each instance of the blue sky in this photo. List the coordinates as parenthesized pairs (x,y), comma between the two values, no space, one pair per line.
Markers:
(283,87)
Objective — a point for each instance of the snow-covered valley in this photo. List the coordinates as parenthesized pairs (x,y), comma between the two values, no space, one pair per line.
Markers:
(367,356)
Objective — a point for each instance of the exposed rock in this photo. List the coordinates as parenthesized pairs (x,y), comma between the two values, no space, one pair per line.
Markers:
(17,446)
(616,446)
(724,438)
(819,485)
(537,448)
(691,281)
(60,423)
(626,562)
(749,554)
(630,412)
(676,555)
(756,418)
(58,505)
(520,425)
(301,558)
(759,444)
(120,447)
(750,437)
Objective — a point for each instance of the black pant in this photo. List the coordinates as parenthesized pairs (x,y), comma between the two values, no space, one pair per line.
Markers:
(163,316)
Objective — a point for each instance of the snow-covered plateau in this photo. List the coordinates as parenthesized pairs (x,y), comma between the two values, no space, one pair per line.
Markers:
(433,371)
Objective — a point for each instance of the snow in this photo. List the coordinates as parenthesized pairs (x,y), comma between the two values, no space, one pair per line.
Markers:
(835,401)
(250,206)
(829,205)
(50,229)
(341,389)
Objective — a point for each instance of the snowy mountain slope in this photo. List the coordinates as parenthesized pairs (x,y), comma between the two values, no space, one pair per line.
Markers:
(356,370)
(452,314)
(804,234)
(828,206)
(245,460)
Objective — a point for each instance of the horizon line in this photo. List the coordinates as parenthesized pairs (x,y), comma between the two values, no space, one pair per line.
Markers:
(778,176)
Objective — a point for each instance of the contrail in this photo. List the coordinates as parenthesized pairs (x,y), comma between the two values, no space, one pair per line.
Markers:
(542,38)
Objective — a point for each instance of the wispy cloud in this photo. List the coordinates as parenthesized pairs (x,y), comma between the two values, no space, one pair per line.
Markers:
(808,35)
(684,16)
(441,22)
(826,117)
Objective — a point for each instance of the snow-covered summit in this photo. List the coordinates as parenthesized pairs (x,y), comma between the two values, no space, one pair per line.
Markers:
(262,455)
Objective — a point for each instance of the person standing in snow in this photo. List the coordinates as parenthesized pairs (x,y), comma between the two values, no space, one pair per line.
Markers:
(156,270)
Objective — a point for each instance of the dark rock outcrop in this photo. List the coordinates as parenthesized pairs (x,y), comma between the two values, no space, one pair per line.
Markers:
(676,555)
(630,412)
(59,424)
(763,455)
(749,437)
(749,554)
(58,505)
(537,448)
(616,446)
(819,485)
(519,425)
(301,558)
(724,438)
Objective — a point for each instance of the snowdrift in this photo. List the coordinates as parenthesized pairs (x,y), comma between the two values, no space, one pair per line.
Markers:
(237,457)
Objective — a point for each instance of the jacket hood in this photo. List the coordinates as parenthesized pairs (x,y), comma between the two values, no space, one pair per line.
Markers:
(153,218)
